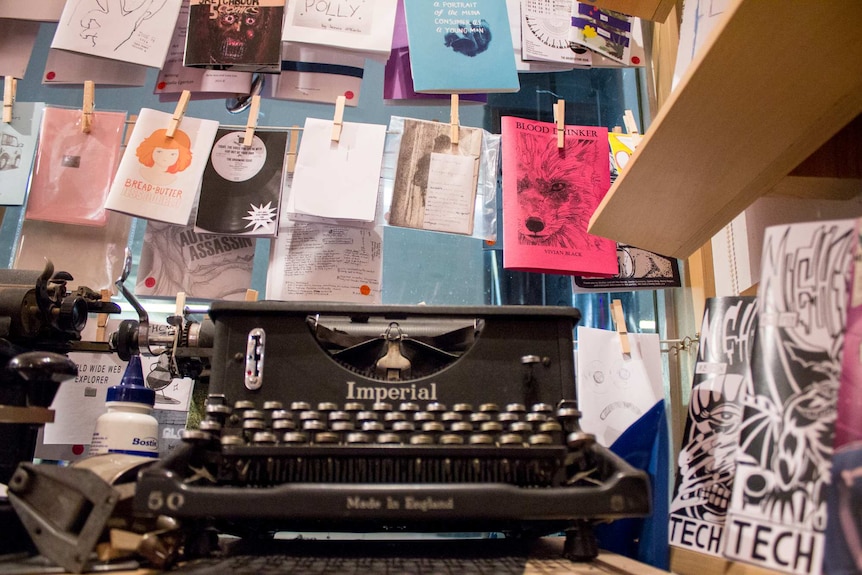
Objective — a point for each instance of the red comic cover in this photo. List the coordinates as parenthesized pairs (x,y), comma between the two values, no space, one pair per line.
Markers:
(549,194)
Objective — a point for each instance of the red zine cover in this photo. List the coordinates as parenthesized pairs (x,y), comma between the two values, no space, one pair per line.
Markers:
(549,195)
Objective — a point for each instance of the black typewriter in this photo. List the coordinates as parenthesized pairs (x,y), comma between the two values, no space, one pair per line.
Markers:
(349,418)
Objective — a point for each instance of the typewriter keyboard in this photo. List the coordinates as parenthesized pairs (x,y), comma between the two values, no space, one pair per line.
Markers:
(274,443)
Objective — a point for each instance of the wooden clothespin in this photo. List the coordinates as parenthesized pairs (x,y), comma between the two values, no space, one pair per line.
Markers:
(10,86)
(250,295)
(560,120)
(102,318)
(454,122)
(88,106)
(251,125)
(338,120)
(179,311)
(631,125)
(620,323)
(291,149)
(179,112)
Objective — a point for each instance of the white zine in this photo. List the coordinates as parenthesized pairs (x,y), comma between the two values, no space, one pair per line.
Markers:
(138,32)
(616,389)
(339,179)
(451,193)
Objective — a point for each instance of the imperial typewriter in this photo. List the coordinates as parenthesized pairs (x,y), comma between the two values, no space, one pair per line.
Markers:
(349,418)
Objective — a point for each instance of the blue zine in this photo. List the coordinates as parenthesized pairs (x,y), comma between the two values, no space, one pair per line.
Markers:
(460,47)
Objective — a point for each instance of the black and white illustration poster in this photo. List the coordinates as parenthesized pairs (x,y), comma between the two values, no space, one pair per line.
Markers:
(778,510)
(707,459)
(241,186)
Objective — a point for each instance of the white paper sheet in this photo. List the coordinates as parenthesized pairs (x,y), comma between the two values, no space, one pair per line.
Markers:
(615,389)
(17,39)
(63,67)
(339,179)
(451,193)
(136,32)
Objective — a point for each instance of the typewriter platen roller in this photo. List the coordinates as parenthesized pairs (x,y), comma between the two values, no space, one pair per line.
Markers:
(326,417)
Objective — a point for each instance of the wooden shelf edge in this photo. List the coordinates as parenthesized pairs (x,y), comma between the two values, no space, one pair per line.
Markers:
(752,108)
(687,562)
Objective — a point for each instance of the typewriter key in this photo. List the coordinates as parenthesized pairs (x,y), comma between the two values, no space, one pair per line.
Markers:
(421,439)
(462,408)
(294,438)
(372,426)
(264,438)
(381,406)
(227,440)
(436,407)
(511,439)
(283,425)
(516,408)
(339,415)
(540,439)
(481,439)
(520,427)
(363,416)
(489,408)
(300,406)
(358,438)
(326,437)
(388,439)
(341,426)
(401,426)
(326,406)
(354,406)
(272,405)
(451,439)
(409,407)
(542,408)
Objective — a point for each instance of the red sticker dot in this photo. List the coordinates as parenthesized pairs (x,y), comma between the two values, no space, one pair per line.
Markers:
(50,75)
(349,94)
(636,60)
(150,282)
(364,290)
(78,449)
(490,242)
(161,85)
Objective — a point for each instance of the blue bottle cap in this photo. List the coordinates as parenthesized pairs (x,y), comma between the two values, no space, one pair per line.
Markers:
(132,386)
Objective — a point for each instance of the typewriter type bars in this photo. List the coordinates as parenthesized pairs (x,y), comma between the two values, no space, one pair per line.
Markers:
(418,418)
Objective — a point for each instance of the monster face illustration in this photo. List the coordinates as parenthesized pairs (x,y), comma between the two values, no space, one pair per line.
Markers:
(226,35)
(707,460)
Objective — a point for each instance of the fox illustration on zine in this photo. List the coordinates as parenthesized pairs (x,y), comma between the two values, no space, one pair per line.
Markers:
(556,194)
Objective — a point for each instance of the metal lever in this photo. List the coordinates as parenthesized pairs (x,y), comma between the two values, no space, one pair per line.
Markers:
(143,317)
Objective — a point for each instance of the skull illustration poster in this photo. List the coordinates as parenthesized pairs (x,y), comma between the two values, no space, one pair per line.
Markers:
(711,437)
(549,194)
(777,514)
(238,36)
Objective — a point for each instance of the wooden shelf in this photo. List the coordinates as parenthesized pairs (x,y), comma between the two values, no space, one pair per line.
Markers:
(771,86)
(656,10)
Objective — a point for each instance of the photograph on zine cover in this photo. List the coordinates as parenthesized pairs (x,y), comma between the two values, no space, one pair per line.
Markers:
(436,180)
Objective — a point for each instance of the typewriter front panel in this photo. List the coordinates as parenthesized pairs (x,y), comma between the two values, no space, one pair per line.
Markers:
(284,352)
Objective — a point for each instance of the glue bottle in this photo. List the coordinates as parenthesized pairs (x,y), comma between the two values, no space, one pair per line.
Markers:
(128,426)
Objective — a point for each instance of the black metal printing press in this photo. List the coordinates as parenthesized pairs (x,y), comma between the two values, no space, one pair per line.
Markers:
(327,417)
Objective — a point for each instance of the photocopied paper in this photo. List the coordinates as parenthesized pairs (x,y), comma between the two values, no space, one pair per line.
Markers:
(320,262)
(176,259)
(339,179)
(17,39)
(41,11)
(616,389)
(17,146)
(63,67)
(159,177)
(137,32)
